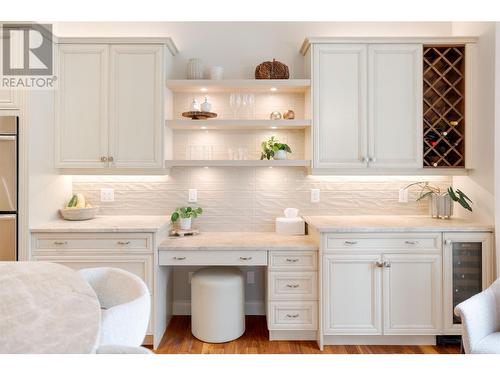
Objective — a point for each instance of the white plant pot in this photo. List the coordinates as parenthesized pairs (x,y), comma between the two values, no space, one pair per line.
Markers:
(185,223)
(280,155)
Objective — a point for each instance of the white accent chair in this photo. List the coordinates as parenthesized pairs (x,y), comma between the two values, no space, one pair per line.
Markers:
(480,316)
(125,305)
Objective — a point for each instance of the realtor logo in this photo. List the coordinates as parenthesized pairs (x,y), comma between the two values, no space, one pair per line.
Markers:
(27,49)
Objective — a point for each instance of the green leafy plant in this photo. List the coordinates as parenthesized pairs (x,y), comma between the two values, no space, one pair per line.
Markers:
(185,213)
(271,146)
(427,190)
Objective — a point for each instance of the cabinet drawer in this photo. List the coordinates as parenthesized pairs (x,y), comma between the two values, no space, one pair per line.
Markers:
(292,261)
(292,286)
(75,242)
(292,315)
(384,242)
(212,258)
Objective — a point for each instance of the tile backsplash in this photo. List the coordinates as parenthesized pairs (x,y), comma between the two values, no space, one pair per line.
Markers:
(249,199)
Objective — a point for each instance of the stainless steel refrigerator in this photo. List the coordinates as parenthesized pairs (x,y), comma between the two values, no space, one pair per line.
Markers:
(8,187)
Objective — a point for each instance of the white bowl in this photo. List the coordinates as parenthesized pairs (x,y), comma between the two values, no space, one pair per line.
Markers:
(79,214)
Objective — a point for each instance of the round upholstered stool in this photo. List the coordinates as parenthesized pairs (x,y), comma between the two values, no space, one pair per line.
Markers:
(217,304)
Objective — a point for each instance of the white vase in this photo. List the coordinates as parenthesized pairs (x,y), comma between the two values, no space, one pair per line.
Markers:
(280,155)
(185,223)
(195,69)
(216,72)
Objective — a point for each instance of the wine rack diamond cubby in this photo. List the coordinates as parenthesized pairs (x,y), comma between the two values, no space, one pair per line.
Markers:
(444,97)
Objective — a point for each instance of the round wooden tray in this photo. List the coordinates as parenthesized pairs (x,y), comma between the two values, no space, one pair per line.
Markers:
(199,115)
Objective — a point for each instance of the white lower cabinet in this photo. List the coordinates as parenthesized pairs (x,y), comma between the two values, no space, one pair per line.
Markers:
(352,294)
(412,294)
(388,292)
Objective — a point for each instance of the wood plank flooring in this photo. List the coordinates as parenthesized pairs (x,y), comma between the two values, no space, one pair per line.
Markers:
(178,340)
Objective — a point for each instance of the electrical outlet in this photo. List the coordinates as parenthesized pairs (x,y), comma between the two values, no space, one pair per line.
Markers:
(107,195)
(403,195)
(250,277)
(315,193)
(193,196)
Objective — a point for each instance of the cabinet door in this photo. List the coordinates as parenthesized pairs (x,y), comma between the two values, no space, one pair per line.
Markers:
(467,270)
(412,294)
(9,98)
(339,100)
(82,106)
(395,106)
(352,294)
(136,126)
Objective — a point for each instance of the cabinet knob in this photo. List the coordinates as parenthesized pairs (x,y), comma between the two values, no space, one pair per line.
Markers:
(387,264)
(111,159)
(364,159)
(372,159)
(104,159)
(245,258)
(448,242)
(379,264)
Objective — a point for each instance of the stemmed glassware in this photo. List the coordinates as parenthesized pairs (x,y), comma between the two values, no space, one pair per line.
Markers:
(242,105)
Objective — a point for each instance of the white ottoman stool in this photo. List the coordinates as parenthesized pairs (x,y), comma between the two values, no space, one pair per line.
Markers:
(217,304)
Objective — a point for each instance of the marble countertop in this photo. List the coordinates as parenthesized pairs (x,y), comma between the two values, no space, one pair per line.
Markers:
(117,224)
(239,241)
(393,223)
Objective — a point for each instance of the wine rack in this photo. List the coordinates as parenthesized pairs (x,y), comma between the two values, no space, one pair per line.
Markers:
(444,97)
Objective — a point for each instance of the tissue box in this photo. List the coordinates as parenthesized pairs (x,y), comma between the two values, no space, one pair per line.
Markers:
(291,226)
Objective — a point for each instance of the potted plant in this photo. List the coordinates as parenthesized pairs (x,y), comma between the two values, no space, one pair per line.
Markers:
(272,148)
(442,201)
(185,214)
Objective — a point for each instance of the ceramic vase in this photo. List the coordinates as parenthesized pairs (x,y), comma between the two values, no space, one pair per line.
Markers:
(195,69)
(280,155)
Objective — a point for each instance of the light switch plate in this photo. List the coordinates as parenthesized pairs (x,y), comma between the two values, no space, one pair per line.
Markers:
(403,195)
(315,195)
(193,196)
(107,195)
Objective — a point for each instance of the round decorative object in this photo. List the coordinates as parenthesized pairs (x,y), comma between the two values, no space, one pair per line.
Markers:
(275,115)
(199,115)
(289,115)
(195,69)
(272,70)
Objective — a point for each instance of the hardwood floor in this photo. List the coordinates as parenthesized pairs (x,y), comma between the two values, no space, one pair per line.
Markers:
(178,340)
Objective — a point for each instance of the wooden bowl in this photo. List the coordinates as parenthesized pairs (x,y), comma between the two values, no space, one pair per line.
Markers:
(199,115)
(79,214)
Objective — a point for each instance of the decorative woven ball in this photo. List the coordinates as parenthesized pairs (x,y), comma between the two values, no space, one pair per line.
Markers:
(272,70)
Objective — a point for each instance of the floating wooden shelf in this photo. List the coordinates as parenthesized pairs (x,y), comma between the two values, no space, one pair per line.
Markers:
(444,96)
(237,163)
(239,85)
(216,124)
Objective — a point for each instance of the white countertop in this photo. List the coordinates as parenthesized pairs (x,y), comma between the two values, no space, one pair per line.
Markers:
(111,223)
(393,223)
(239,241)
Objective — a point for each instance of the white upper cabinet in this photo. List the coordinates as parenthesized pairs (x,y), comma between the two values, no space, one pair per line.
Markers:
(82,106)
(339,100)
(395,106)
(109,110)
(367,105)
(136,110)
(9,99)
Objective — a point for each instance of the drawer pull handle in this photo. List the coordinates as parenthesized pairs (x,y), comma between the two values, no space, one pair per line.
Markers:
(350,242)
(293,286)
(411,242)
(292,260)
(179,258)
(60,242)
(246,258)
(379,264)
(123,242)
(292,316)
(387,264)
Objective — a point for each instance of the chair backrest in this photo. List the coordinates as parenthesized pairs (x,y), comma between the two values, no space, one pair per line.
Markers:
(114,286)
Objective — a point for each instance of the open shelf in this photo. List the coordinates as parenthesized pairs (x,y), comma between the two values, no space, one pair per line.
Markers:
(239,85)
(237,163)
(216,124)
